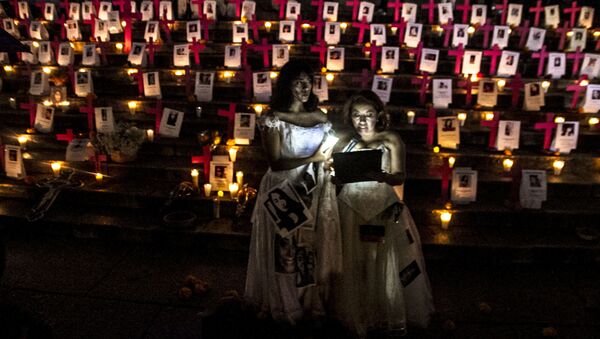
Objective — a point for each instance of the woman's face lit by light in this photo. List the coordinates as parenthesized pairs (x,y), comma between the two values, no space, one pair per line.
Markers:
(364,118)
(279,201)
(301,88)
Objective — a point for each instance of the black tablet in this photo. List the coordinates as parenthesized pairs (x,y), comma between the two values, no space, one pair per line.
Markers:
(353,166)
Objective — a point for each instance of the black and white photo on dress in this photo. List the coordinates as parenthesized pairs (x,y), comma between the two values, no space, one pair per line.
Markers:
(286,209)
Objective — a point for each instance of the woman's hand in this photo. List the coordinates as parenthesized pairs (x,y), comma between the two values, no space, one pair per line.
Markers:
(323,153)
(388,178)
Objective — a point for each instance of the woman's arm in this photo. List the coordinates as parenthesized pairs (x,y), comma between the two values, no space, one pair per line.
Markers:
(304,119)
(397,175)
(272,143)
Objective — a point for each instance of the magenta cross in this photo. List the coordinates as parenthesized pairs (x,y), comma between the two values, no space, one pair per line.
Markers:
(15,5)
(542,55)
(68,137)
(504,8)
(165,24)
(430,7)
(597,45)
(445,172)
(151,47)
(467,84)
(576,88)
(128,17)
(563,33)
(364,78)
(61,23)
(319,24)
(254,24)
(139,77)
(548,126)
(362,26)
(244,50)
(319,5)
(493,125)
(230,115)
(401,26)
(572,11)
(265,48)
(486,28)
(515,85)
(71,72)
(204,160)
(205,23)
(157,111)
(299,23)
(56,46)
(103,50)
(465,8)
(374,49)
(494,53)
(196,47)
(32,108)
(538,9)
(89,110)
(396,5)
(447,27)
(247,74)
(576,56)
(124,5)
(458,54)
(41,4)
(188,81)
(355,4)
(431,122)
(64,4)
(199,7)
(523,31)
(92,23)
(98,159)
(423,82)
(417,53)
(322,50)
(156,8)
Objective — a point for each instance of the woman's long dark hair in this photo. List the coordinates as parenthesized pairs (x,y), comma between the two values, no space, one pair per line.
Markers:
(291,204)
(367,97)
(283,98)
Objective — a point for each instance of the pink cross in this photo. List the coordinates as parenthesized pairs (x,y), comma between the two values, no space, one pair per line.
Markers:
(563,33)
(165,24)
(196,47)
(32,108)
(64,4)
(156,7)
(576,56)
(238,7)
(139,77)
(15,5)
(204,160)
(493,125)
(396,5)
(597,45)
(430,7)
(494,53)
(486,28)
(41,4)
(71,72)
(319,24)
(523,31)
(26,22)
(458,54)
(515,85)
(431,122)
(188,81)
(128,17)
(151,47)
(365,77)
(265,48)
(319,5)
(89,110)
(542,55)
(538,9)
(447,27)
(92,23)
(423,82)
(205,23)
(96,4)
(244,49)
(98,159)
(548,126)
(355,4)
(445,172)
(401,26)
(467,84)
(61,23)
(322,50)
(282,5)
(465,8)
(68,137)
(299,23)
(247,76)
(103,50)
(230,115)
(199,7)
(374,49)
(157,111)
(576,89)
(572,11)
(124,5)
(504,8)
(254,24)
(56,46)
(417,53)
(362,26)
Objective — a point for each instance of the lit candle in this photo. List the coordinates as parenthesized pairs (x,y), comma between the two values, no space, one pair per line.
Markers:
(501,83)
(593,121)
(273,74)
(56,168)
(343,26)
(239,177)
(329,77)
(436,149)
(8,68)
(47,70)
(268,26)
(394,30)
(179,72)
(150,135)
(258,109)
(22,139)
(559,120)
(474,78)
(119,46)
(367,53)
(233,190)
(207,190)
(194,174)
(507,164)
(471,30)
(451,161)
(445,218)
(99,178)
(132,106)
(410,115)
(546,85)
(584,82)
(558,166)
(489,116)
(233,154)
(227,75)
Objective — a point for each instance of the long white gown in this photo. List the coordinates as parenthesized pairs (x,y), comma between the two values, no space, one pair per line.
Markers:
(278,293)
(385,284)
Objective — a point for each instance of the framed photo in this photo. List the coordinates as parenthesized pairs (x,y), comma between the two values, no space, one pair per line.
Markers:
(221,173)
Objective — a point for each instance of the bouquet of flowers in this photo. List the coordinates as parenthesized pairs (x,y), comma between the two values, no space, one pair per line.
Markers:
(123,144)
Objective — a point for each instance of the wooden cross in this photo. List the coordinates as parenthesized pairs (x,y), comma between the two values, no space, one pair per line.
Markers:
(151,47)
(576,56)
(401,26)
(157,111)
(230,115)
(396,5)
(373,49)
(467,84)
(68,137)
(322,50)
(447,27)
(563,33)
(572,11)
(265,48)
(576,88)
(538,9)
(355,4)
(504,9)
(204,160)
(523,32)
(542,55)
(515,85)
(430,7)
(319,5)
(465,8)
(486,28)
(417,53)
(458,54)
(89,110)
(423,82)
(196,47)
(494,53)
(431,122)
(282,4)
(362,26)
(32,108)
(238,6)
(493,125)
(547,126)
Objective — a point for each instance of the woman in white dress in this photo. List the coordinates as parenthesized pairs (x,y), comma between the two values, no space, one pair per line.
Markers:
(283,280)
(385,285)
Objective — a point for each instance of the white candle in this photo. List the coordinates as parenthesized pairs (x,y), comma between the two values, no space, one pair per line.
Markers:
(233,190)
(445,218)
(462,117)
(239,176)
(207,190)
(194,174)
(99,178)
(558,166)
(451,161)
(233,154)
(150,135)
(56,168)
(507,165)
(410,115)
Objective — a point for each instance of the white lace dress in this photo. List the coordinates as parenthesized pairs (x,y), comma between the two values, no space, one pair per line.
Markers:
(284,295)
(385,284)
